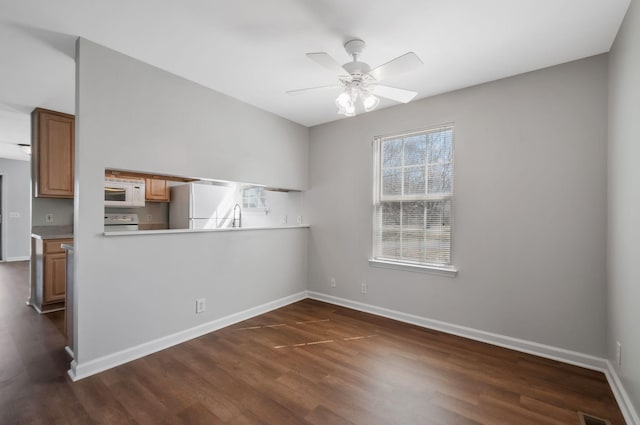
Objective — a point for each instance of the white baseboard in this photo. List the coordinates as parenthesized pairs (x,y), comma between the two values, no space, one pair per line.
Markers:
(530,347)
(10,259)
(35,307)
(69,352)
(83,370)
(622,397)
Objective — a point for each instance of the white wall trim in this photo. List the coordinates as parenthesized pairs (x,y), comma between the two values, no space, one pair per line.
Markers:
(69,352)
(622,397)
(554,353)
(25,258)
(439,270)
(82,370)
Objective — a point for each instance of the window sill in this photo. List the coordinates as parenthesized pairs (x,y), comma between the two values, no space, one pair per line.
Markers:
(439,270)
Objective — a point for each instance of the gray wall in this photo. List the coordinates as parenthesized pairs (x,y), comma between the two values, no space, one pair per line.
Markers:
(133,289)
(624,202)
(530,208)
(16,199)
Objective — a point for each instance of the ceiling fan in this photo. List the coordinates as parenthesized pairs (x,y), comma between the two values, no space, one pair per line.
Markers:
(360,83)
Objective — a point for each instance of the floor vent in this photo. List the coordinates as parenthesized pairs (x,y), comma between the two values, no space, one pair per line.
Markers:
(591,420)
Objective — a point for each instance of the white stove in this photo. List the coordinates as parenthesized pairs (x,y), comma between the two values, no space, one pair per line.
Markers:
(120,222)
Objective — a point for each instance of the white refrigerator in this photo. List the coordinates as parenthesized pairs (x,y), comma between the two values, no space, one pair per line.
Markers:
(201,206)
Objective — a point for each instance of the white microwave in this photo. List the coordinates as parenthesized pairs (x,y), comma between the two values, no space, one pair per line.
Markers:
(123,193)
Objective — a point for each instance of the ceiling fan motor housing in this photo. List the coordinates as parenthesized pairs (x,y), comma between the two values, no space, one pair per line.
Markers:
(356,67)
(354,48)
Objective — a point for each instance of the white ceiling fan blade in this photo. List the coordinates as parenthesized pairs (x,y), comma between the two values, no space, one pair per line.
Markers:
(399,65)
(311,89)
(323,59)
(393,93)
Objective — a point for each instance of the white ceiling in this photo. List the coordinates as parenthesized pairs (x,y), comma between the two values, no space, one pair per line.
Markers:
(255,50)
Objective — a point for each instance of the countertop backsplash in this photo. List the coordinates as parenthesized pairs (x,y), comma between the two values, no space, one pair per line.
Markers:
(283,208)
(153,216)
(62,210)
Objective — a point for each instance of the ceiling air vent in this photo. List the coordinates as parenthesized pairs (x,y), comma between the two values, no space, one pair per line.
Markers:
(591,420)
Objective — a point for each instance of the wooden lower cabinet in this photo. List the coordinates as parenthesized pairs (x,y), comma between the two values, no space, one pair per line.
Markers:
(48,273)
(55,278)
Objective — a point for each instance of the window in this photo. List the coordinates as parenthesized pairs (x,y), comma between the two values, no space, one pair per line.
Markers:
(413,194)
(253,197)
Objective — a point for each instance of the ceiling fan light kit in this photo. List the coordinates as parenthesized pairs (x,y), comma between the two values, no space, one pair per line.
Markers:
(370,102)
(346,103)
(348,99)
(361,90)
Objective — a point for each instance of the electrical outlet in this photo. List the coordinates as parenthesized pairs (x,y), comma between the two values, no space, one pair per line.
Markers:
(364,288)
(299,219)
(48,218)
(283,219)
(201,305)
(619,353)
(149,217)
(333,282)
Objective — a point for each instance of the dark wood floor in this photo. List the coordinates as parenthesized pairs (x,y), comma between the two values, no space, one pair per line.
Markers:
(307,363)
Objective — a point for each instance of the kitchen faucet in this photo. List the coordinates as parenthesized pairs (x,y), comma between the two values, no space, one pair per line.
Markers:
(237,222)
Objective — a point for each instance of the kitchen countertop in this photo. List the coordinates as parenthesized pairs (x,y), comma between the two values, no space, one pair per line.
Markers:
(67,246)
(226,229)
(52,232)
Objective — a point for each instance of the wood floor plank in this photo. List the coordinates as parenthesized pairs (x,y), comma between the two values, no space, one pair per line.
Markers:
(101,406)
(197,414)
(565,416)
(141,405)
(470,411)
(306,363)
(321,415)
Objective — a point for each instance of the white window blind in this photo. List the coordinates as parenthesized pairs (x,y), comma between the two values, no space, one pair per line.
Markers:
(413,194)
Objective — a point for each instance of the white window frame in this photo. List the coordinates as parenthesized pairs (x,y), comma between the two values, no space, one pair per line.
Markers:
(442,269)
(262,208)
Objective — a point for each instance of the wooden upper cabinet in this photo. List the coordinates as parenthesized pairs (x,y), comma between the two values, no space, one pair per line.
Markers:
(53,152)
(156,190)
